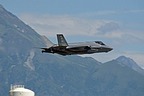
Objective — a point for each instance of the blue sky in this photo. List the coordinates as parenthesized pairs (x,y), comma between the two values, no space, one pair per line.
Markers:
(118,23)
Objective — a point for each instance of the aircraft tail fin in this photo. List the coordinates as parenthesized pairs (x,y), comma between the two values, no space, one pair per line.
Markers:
(61,40)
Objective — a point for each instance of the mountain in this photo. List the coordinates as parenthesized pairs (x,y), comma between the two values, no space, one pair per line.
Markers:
(55,75)
(125,61)
(112,79)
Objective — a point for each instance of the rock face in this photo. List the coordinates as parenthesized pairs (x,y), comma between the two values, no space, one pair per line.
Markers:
(55,75)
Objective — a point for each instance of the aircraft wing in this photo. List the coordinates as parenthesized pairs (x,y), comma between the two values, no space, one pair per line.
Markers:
(44,48)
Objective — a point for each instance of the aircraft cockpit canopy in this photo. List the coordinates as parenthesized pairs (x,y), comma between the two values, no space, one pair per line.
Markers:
(99,42)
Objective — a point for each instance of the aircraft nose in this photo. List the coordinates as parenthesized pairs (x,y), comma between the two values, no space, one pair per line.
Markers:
(110,49)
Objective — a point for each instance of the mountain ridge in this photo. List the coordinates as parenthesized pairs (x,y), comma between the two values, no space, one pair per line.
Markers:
(126,61)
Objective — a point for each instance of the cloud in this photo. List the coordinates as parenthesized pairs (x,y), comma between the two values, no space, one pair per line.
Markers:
(111,13)
(134,11)
(50,25)
(108,27)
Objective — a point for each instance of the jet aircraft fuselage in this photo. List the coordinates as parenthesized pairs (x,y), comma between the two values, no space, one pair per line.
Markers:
(64,48)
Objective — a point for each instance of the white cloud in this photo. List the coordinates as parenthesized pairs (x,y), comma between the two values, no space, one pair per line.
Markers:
(114,34)
(110,13)
(135,11)
(50,25)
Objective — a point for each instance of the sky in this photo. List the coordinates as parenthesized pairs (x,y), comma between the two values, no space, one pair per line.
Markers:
(118,23)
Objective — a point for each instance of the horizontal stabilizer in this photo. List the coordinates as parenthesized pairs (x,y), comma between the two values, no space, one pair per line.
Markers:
(48,43)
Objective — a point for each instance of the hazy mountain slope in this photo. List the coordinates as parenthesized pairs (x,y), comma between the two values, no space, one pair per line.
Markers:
(62,76)
(112,79)
(17,42)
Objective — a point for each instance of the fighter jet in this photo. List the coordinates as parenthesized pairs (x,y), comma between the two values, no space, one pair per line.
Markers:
(64,48)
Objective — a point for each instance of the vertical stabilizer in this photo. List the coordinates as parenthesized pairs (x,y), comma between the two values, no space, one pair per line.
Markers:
(61,40)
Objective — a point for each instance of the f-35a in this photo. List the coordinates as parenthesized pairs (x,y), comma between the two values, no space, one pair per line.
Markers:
(64,48)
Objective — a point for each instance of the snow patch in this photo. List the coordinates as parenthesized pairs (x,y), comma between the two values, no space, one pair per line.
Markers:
(15,25)
(18,28)
(29,62)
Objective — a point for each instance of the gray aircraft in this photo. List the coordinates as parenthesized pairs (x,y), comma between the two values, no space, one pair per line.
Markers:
(64,48)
